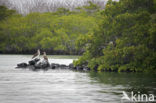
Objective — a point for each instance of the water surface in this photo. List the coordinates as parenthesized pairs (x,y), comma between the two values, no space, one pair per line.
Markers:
(66,86)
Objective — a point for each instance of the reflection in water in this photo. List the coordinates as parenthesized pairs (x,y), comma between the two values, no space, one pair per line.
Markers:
(65,86)
(144,83)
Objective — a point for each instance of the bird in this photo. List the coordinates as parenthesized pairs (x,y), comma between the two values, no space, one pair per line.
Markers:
(45,56)
(45,62)
(36,55)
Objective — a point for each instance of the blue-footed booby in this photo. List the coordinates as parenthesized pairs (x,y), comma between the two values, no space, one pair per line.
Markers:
(36,55)
(45,56)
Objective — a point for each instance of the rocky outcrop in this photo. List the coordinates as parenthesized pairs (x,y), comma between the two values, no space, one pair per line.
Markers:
(34,61)
(41,65)
(22,65)
(36,65)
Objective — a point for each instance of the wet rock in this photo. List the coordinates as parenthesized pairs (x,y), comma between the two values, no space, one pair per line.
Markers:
(62,66)
(22,65)
(86,68)
(31,67)
(54,66)
(79,68)
(45,65)
(42,65)
(34,61)
(96,67)
(71,65)
(36,64)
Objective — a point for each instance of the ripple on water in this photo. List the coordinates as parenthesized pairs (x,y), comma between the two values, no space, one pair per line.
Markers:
(62,86)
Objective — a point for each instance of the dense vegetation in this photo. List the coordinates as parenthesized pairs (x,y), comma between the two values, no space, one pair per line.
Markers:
(125,39)
(121,37)
(54,32)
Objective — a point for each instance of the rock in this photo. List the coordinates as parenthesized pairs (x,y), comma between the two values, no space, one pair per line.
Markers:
(96,67)
(71,65)
(22,65)
(79,68)
(57,65)
(45,65)
(54,66)
(42,65)
(62,66)
(31,67)
(34,61)
(86,68)
(36,65)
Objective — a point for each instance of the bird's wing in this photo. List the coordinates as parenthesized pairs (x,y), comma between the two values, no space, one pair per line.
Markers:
(46,58)
(34,55)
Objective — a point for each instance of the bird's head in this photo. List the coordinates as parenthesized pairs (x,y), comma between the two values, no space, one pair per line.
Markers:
(44,53)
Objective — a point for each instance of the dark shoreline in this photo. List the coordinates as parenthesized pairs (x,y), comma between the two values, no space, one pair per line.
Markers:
(80,68)
(47,51)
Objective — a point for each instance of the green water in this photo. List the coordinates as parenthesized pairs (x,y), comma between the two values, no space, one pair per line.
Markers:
(142,83)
